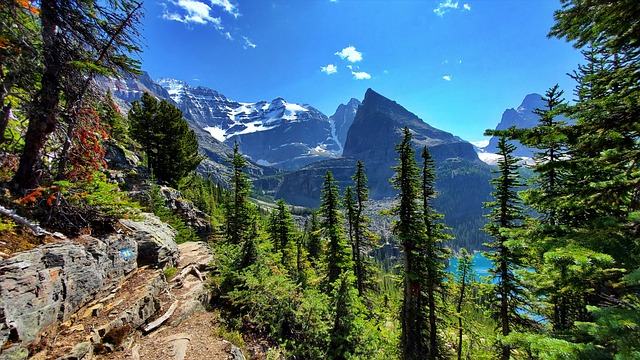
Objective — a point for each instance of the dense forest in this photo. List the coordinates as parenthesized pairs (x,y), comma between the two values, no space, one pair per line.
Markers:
(565,246)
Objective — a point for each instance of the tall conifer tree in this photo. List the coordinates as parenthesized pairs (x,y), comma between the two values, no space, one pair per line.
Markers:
(410,231)
(364,240)
(435,254)
(338,256)
(506,215)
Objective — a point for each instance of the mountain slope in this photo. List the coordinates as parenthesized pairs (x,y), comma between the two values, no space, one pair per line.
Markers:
(277,133)
(217,153)
(462,177)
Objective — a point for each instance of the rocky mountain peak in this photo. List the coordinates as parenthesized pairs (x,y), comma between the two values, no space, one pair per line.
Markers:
(521,117)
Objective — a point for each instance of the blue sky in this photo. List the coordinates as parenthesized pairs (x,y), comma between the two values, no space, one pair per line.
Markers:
(456,64)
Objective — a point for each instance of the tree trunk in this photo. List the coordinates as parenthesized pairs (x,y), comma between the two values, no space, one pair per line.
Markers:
(43,122)
(459,309)
(5,114)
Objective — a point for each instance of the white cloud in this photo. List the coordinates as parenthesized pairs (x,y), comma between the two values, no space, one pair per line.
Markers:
(447,77)
(227,6)
(467,7)
(350,53)
(361,75)
(228,36)
(248,43)
(192,11)
(445,7)
(329,69)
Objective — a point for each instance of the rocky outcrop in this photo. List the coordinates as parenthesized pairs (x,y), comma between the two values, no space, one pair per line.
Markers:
(155,240)
(191,215)
(45,286)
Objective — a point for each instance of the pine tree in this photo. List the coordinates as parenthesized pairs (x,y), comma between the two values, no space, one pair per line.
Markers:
(465,276)
(79,40)
(239,211)
(171,147)
(409,228)
(505,253)
(314,241)
(435,254)
(364,240)
(338,257)
(281,232)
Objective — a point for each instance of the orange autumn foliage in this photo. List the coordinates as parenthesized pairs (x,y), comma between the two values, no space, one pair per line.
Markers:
(86,155)
(27,4)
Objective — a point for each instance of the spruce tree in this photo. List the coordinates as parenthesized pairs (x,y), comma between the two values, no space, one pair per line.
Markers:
(78,41)
(409,228)
(171,147)
(364,240)
(338,257)
(281,231)
(314,241)
(435,254)
(239,211)
(506,215)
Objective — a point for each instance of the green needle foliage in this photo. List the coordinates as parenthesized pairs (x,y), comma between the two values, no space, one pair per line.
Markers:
(171,147)
(506,248)
(338,256)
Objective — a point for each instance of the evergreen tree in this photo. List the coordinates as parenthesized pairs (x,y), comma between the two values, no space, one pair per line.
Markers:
(110,116)
(171,147)
(435,254)
(348,322)
(314,242)
(144,126)
(239,211)
(78,40)
(596,253)
(348,201)
(465,276)
(281,232)
(364,240)
(409,228)
(338,258)
(506,253)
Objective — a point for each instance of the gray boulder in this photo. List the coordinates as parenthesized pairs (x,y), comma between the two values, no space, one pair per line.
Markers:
(155,239)
(46,285)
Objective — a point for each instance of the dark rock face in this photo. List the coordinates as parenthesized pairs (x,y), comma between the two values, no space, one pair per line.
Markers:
(378,126)
(376,129)
(523,118)
(462,178)
(343,118)
(155,241)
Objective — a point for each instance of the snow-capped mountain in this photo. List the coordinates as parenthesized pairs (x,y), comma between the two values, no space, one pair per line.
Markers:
(276,133)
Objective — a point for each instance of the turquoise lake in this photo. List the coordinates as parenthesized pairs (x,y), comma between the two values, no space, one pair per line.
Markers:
(481,265)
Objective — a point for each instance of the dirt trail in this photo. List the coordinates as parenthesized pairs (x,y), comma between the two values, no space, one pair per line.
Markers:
(104,328)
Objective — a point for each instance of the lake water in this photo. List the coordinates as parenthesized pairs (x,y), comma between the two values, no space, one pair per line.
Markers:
(481,265)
